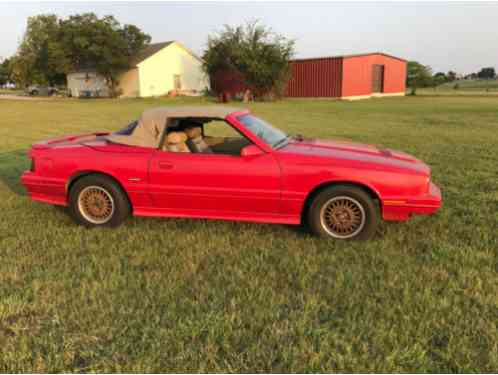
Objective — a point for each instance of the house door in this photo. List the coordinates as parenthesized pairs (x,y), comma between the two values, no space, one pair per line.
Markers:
(177,82)
(377,78)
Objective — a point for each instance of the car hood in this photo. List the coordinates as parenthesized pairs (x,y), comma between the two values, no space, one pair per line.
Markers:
(358,153)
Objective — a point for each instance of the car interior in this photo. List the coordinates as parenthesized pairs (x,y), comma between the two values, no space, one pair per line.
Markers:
(203,135)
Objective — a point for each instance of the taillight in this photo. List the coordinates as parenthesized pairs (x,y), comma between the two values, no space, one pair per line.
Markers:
(32,168)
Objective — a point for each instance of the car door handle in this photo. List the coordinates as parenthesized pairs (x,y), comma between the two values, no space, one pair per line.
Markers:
(165,165)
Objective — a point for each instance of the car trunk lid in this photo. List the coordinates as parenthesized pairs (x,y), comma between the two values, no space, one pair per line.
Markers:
(69,140)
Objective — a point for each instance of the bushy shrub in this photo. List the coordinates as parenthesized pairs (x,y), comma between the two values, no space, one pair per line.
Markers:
(257,53)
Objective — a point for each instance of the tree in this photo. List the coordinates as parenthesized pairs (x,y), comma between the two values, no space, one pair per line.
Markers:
(40,58)
(439,78)
(19,71)
(101,44)
(418,75)
(258,54)
(5,72)
(487,73)
(52,47)
(451,76)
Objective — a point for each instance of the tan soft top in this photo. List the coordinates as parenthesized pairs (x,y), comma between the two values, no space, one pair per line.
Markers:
(153,121)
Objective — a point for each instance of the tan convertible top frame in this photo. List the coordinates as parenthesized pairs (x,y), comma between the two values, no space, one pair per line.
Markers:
(153,122)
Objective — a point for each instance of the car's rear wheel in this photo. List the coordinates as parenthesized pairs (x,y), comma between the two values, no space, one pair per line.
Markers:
(97,200)
(343,212)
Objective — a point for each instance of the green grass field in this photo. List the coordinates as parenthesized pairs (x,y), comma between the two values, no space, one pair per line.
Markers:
(475,84)
(10,91)
(477,87)
(196,295)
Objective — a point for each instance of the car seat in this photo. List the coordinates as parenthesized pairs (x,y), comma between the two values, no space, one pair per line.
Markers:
(175,142)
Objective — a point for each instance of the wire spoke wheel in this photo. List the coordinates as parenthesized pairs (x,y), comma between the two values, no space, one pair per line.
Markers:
(96,204)
(342,217)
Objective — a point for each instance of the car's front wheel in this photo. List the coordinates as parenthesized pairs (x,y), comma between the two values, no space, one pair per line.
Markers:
(343,212)
(97,200)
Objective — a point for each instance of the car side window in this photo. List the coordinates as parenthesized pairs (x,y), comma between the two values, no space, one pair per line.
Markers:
(203,136)
(223,139)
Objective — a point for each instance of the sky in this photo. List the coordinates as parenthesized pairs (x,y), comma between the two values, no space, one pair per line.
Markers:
(445,35)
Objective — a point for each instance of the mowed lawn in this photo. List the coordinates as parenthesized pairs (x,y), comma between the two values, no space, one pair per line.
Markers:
(463,87)
(197,295)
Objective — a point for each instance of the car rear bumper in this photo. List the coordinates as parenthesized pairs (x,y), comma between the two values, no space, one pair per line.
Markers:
(43,189)
(402,209)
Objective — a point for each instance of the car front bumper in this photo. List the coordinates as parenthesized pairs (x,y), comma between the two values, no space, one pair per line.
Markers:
(400,209)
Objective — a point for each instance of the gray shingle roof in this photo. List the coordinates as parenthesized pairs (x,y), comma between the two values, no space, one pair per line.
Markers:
(148,51)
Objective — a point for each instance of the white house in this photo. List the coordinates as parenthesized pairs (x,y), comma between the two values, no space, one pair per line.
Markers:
(85,83)
(159,69)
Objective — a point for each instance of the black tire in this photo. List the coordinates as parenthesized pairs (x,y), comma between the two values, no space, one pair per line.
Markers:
(34,92)
(339,204)
(88,192)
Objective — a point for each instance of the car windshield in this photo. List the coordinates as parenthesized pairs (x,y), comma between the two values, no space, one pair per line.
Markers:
(264,131)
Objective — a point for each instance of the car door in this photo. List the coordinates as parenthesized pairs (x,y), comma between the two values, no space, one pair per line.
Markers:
(218,183)
(211,184)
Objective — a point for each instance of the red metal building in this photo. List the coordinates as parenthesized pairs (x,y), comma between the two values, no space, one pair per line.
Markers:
(347,77)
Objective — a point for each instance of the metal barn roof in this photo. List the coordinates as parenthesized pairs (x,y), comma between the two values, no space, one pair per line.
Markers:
(346,56)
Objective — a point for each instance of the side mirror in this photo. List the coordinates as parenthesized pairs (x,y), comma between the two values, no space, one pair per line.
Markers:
(251,150)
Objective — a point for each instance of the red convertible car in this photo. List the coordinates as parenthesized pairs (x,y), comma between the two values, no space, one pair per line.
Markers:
(225,163)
